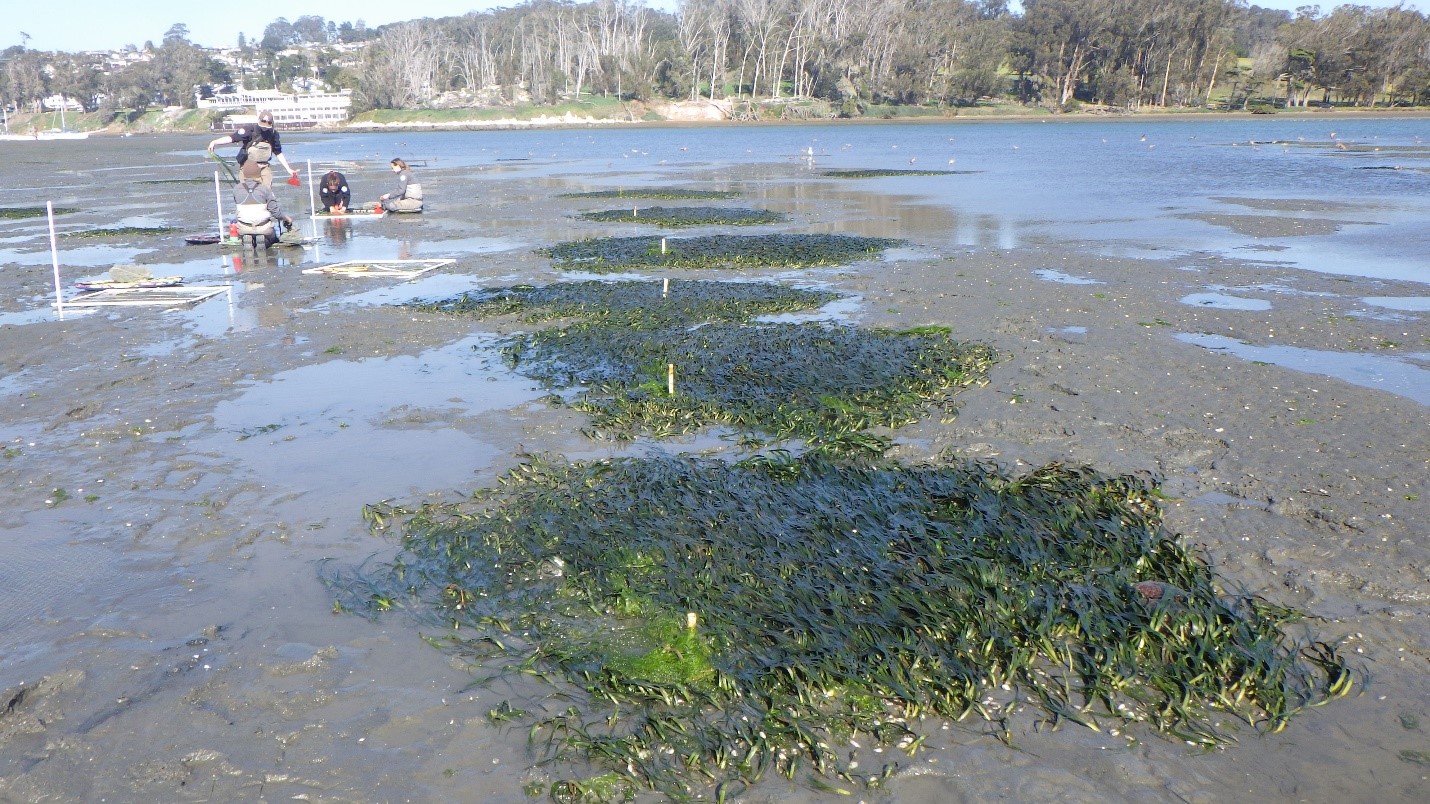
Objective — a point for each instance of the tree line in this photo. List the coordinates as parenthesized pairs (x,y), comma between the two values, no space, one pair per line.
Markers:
(839,56)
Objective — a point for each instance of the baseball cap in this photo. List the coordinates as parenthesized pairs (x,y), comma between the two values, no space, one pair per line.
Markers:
(265,117)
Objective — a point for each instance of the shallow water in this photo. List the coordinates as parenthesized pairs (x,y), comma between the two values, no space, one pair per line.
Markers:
(1392,375)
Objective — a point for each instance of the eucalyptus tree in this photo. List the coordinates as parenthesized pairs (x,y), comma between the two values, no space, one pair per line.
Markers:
(278,35)
(24,77)
(76,77)
(705,29)
(472,59)
(399,69)
(876,58)
(622,29)
(1387,50)
(1055,41)
(136,86)
(761,24)
(179,69)
(953,50)
(312,30)
(1314,55)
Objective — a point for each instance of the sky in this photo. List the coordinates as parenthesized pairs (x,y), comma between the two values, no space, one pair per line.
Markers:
(78,25)
(73,26)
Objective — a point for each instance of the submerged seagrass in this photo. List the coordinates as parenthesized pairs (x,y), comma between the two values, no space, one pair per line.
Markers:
(668,193)
(176,181)
(32,212)
(605,255)
(875,173)
(637,304)
(679,217)
(826,384)
(121,231)
(727,619)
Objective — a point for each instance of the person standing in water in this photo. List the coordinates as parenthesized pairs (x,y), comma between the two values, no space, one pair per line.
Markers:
(408,195)
(260,143)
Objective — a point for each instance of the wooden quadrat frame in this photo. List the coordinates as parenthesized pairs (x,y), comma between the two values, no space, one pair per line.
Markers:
(145,297)
(395,269)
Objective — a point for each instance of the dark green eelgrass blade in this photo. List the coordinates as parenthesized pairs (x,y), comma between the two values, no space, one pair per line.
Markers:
(223,163)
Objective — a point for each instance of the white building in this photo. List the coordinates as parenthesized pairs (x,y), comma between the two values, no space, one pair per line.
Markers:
(289,111)
(56,102)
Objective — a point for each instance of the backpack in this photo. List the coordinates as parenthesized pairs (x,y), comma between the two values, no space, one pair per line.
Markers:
(260,151)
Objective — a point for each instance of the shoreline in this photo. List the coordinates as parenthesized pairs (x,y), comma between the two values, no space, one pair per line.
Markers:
(571,121)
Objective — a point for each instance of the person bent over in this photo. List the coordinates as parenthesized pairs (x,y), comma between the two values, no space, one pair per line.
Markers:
(334,194)
(259,144)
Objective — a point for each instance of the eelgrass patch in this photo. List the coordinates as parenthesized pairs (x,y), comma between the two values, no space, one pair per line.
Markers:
(640,305)
(680,217)
(121,231)
(877,173)
(32,212)
(725,621)
(825,384)
(664,193)
(663,359)
(606,255)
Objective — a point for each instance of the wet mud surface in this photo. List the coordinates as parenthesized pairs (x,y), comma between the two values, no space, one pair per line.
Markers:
(171,479)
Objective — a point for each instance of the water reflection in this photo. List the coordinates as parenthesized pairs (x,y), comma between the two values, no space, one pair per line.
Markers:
(1414,304)
(1368,371)
(301,429)
(1222,301)
(1066,279)
(337,232)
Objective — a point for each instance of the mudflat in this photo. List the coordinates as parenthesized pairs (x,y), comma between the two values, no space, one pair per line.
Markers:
(171,479)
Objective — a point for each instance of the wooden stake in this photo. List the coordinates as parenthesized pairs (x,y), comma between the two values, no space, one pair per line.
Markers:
(670,378)
(691,620)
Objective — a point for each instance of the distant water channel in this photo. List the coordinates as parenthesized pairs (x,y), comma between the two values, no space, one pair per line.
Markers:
(1180,186)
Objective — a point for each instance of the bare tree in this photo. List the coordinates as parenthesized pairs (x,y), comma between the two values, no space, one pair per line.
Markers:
(399,69)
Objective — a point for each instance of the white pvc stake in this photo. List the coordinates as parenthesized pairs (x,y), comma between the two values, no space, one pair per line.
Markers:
(665,290)
(55,258)
(218,204)
(312,202)
(670,378)
(662,245)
